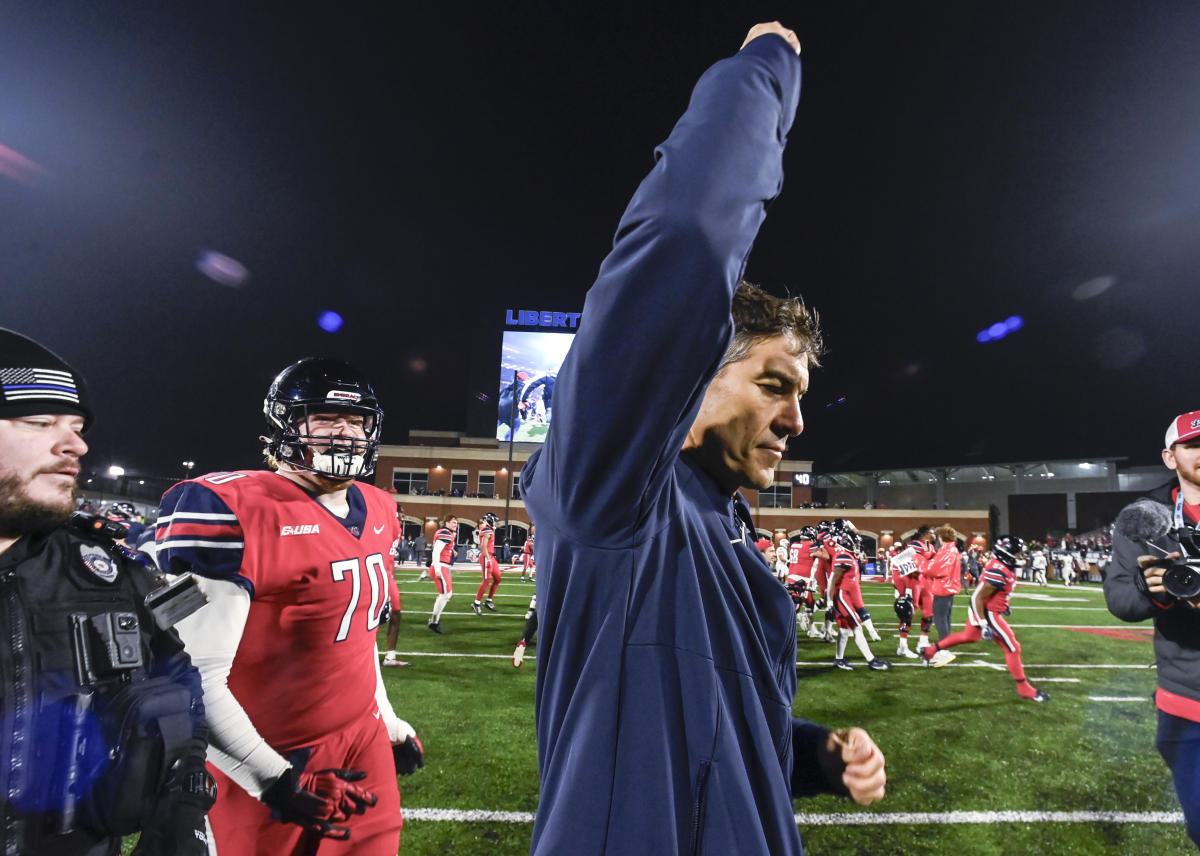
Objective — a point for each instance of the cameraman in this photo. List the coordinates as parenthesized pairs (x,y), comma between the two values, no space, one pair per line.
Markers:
(1154,531)
(102,732)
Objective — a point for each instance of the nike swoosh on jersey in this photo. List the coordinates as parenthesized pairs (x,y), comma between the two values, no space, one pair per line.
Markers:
(378,529)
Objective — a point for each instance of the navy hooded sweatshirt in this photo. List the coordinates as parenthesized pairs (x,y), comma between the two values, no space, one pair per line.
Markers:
(666,661)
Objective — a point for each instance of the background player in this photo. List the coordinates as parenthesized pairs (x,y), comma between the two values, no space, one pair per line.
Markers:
(488,565)
(294,562)
(822,553)
(392,612)
(802,555)
(799,562)
(908,577)
(439,570)
(527,570)
(985,616)
(1037,562)
(845,595)
(527,634)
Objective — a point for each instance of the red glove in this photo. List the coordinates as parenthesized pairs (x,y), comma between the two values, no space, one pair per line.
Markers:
(317,800)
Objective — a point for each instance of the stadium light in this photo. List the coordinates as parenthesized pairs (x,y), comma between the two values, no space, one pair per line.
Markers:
(116,472)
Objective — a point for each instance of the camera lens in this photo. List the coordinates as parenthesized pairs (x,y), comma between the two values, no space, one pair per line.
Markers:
(1182,581)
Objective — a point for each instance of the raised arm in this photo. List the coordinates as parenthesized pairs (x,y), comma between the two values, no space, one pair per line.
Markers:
(657,319)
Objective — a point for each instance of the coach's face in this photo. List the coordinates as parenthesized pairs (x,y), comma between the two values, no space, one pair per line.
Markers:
(750,410)
(39,462)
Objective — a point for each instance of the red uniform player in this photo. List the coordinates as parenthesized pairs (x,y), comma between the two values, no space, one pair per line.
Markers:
(845,595)
(439,571)
(527,570)
(822,552)
(985,617)
(912,592)
(488,565)
(295,563)
(800,561)
(392,613)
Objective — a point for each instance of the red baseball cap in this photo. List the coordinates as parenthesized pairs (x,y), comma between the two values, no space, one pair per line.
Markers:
(1184,427)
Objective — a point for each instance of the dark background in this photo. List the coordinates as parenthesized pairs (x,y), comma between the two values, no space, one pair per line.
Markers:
(422,170)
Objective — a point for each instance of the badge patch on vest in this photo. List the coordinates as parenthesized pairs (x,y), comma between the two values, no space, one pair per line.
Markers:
(99,562)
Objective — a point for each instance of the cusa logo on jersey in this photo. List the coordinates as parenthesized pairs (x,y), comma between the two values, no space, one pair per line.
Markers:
(301,529)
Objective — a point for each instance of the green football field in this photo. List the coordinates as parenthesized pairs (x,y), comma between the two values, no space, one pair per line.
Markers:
(972,769)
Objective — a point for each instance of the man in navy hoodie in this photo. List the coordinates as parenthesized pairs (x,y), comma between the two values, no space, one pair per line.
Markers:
(666,669)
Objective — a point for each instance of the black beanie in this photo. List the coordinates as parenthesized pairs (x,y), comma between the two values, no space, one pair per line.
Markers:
(34,380)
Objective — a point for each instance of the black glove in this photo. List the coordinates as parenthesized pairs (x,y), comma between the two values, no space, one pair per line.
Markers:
(408,755)
(177,828)
(317,800)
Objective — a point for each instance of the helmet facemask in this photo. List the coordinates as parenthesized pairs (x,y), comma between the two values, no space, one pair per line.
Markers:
(336,457)
(315,386)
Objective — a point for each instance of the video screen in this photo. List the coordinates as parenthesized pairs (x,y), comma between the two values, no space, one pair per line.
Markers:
(529,363)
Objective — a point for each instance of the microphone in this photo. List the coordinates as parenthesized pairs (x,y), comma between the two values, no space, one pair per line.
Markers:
(1144,520)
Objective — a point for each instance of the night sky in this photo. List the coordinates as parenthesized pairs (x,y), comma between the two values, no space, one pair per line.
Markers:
(422,170)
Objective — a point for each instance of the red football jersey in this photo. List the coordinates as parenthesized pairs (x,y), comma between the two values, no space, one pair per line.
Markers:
(305,667)
(800,559)
(847,563)
(487,539)
(1001,576)
(443,546)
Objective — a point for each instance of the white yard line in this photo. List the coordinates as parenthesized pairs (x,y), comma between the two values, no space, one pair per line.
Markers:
(403,654)
(982,665)
(879,819)
(450,815)
(1056,680)
(1119,698)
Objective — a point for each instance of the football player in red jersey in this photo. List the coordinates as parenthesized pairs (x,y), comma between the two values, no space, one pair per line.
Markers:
(822,553)
(985,617)
(295,560)
(439,570)
(527,571)
(845,595)
(488,565)
(803,553)
(908,578)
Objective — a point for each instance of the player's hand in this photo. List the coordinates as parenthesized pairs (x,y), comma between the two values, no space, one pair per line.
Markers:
(986,632)
(316,801)
(776,28)
(1152,570)
(864,772)
(409,755)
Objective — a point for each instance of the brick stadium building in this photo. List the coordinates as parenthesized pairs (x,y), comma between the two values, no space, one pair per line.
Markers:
(443,472)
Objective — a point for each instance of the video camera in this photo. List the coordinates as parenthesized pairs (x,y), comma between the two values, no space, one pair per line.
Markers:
(1181,577)
(1147,521)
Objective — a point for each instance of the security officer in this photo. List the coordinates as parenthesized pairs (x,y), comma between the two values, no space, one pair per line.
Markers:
(102,730)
